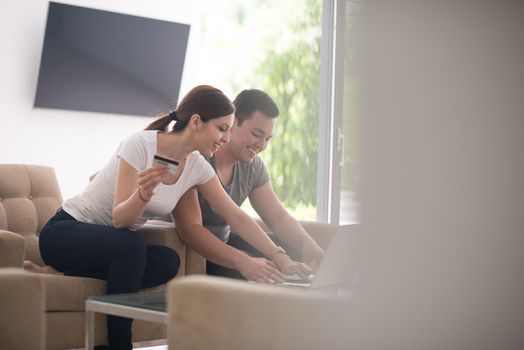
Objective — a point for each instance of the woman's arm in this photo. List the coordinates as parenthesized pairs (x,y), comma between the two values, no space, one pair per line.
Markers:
(248,229)
(188,219)
(133,190)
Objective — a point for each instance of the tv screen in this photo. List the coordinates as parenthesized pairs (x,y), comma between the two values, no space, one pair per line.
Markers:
(107,62)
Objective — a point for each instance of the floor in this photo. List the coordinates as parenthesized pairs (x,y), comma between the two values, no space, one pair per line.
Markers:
(148,345)
(151,345)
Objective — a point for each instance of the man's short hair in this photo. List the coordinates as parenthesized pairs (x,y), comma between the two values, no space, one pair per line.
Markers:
(249,101)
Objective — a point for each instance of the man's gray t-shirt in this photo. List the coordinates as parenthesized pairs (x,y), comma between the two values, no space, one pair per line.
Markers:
(246,178)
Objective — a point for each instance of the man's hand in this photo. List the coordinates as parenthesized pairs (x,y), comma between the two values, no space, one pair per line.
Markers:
(312,254)
(259,270)
(290,267)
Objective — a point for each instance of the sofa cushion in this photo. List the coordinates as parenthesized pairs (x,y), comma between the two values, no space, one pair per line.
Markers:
(29,196)
(68,293)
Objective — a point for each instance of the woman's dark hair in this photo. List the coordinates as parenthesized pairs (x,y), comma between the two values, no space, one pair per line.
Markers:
(206,101)
(249,101)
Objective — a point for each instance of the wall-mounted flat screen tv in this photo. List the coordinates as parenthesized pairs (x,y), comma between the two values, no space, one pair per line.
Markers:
(107,62)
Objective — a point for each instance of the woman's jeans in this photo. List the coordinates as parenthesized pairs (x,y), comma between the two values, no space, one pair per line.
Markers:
(118,256)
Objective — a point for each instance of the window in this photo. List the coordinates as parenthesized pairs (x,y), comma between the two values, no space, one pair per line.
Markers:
(338,133)
(302,53)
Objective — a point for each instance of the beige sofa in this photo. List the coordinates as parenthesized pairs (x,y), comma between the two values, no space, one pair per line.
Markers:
(47,311)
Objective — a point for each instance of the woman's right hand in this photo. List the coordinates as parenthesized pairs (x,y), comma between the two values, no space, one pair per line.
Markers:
(149,179)
(259,270)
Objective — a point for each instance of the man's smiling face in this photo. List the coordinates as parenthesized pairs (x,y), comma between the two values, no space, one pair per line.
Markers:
(251,137)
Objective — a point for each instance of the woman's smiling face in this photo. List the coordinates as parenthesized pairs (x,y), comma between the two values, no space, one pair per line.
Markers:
(214,133)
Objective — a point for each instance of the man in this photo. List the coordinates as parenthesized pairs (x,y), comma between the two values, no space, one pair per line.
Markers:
(244,175)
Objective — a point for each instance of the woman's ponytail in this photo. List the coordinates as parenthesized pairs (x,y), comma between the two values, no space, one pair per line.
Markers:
(206,101)
(162,122)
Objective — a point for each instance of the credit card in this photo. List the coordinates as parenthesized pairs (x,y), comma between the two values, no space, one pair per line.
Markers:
(171,164)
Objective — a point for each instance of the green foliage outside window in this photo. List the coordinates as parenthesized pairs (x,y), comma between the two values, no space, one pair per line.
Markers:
(273,45)
(291,76)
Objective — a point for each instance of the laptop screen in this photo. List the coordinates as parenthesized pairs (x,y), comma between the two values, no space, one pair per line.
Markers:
(339,265)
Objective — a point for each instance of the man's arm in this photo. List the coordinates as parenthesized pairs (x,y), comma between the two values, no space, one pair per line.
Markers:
(288,229)
(188,220)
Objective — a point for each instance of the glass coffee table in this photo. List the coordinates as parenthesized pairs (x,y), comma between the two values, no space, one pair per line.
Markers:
(146,306)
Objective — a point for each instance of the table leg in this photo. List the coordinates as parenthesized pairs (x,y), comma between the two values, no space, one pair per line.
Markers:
(90,330)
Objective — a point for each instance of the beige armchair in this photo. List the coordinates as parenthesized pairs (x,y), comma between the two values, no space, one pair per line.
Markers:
(47,311)
(214,313)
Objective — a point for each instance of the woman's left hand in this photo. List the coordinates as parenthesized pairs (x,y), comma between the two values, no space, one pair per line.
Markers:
(290,267)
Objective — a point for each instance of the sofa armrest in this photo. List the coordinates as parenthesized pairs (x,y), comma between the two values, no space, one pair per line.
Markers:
(157,232)
(321,232)
(217,313)
(22,301)
(160,232)
(12,247)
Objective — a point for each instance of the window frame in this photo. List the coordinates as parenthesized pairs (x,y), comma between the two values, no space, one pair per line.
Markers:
(330,121)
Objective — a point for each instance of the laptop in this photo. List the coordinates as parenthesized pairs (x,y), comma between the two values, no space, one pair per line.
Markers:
(338,268)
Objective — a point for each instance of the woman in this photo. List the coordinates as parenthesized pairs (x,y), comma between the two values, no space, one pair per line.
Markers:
(94,233)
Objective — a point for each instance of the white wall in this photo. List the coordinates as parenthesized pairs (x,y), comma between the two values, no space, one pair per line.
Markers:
(75,143)
(442,254)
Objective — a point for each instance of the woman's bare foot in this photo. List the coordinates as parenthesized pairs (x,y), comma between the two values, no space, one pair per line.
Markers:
(32,267)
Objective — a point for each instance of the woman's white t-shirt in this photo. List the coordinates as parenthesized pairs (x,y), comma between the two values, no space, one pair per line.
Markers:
(95,204)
